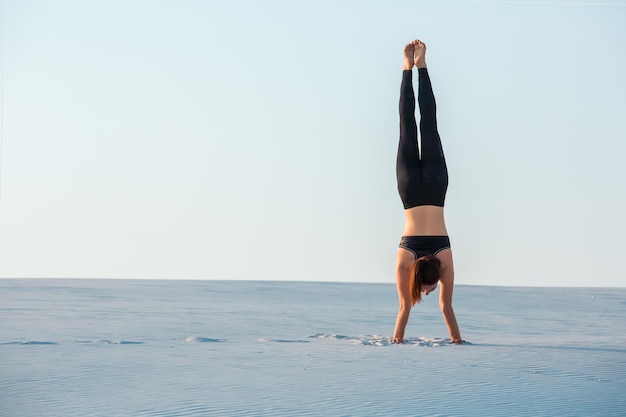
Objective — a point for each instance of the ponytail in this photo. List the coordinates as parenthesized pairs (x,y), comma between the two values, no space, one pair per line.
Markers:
(424,271)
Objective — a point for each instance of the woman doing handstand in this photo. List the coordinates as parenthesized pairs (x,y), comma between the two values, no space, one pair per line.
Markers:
(424,256)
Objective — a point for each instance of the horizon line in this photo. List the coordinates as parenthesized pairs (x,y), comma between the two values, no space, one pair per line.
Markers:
(300,281)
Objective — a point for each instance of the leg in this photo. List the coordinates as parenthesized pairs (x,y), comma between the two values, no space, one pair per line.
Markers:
(407,162)
(431,142)
(434,170)
(408,152)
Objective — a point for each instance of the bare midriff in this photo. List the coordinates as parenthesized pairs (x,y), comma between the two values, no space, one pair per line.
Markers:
(424,221)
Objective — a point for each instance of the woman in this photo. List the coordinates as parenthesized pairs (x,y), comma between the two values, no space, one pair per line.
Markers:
(424,257)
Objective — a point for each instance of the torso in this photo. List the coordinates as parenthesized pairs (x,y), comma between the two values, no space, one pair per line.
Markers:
(424,221)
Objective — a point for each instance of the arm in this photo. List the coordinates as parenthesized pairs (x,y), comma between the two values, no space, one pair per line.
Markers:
(445,296)
(403,264)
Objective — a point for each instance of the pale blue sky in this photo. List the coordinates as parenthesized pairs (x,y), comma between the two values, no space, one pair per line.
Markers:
(257,139)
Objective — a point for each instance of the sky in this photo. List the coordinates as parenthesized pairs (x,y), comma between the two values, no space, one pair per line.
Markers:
(164,139)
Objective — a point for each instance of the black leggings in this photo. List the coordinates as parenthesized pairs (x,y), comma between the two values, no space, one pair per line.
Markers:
(421,181)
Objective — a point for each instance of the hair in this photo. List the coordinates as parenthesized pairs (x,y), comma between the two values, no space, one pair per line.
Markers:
(424,271)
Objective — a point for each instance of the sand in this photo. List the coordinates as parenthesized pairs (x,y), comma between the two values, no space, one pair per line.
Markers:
(244,348)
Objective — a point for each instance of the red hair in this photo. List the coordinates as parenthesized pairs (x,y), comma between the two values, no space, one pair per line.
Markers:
(424,271)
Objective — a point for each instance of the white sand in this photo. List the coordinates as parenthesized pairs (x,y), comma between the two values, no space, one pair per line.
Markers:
(158,348)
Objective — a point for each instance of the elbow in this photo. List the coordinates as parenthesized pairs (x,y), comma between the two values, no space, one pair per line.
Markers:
(404,308)
(446,308)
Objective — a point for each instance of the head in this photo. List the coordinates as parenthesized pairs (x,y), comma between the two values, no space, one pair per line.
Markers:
(424,275)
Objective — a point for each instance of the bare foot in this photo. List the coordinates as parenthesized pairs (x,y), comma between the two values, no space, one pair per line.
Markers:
(409,56)
(420,53)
